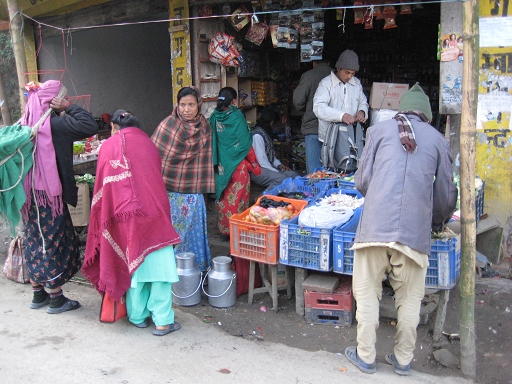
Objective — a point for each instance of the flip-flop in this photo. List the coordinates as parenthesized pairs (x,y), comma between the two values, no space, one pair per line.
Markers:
(402,370)
(351,355)
(144,324)
(172,327)
(69,305)
(40,305)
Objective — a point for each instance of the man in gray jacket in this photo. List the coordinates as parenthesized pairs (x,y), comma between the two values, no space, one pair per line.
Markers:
(303,101)
(405,174)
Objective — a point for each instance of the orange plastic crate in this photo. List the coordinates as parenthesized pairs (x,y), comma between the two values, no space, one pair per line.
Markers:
(255,241)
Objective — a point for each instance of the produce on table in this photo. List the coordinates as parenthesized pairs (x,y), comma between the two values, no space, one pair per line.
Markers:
(271,212)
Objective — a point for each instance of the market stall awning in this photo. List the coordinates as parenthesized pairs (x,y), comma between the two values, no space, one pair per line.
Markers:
(48,7)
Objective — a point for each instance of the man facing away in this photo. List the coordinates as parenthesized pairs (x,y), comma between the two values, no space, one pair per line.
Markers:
(303,101)
(340,99)
(405,174)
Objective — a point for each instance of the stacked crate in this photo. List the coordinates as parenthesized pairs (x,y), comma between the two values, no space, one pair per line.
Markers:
(262,92)
(337,307)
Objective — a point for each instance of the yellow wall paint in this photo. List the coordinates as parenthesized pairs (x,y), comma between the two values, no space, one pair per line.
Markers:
(181,71)
(494,137)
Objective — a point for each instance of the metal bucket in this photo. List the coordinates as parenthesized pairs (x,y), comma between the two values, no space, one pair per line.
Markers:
(186,291)
(221,283)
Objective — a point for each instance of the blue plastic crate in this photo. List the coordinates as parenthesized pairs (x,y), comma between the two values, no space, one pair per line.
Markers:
(297,184)
(305,247)
(332,191)
(442,272)
(443,264)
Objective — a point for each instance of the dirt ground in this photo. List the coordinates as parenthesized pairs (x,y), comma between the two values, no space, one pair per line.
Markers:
(493,325)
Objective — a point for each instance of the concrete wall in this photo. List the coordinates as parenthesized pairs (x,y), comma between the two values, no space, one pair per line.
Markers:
(120,67)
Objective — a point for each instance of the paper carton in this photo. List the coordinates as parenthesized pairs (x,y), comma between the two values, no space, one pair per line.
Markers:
(80,213)
(387,95)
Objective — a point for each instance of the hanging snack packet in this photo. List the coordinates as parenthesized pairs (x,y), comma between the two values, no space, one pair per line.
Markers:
(240,18)
(358,13)
(389,13)
(257,32)
(368,18)
(405,9)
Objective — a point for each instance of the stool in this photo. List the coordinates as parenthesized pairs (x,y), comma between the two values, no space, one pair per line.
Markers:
(271,287)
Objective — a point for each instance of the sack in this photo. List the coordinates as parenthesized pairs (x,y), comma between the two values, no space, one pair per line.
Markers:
(14,267)
(112,310)
(323,216)
(342,147)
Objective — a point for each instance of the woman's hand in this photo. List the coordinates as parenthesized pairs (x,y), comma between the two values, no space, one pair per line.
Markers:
(59,104)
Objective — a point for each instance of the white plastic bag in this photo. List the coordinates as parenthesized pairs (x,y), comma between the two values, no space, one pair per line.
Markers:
(321,216)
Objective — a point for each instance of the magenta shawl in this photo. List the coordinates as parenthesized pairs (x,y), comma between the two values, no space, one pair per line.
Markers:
(44,176)
(130,212)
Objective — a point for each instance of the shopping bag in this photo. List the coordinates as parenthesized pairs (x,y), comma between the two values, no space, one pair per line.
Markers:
(112,310)
(14,267)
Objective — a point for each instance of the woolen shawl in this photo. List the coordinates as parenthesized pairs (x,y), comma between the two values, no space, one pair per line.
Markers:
(232,140)
(130,212)
(43,178)
(16,160)
(185,147)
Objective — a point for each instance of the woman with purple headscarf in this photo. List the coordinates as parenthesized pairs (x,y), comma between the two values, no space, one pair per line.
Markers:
(52,254)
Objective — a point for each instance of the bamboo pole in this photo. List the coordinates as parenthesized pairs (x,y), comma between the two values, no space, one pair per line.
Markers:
(4,108)
(19,49)
(467,186)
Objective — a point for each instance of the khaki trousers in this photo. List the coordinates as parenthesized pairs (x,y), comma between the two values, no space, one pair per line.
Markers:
(371,265)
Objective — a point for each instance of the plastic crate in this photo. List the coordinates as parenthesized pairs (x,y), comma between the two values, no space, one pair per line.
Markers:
(444,260)
(310,247)
(443,264)
(297,184)
(255,241)
(305,247)
(327,316)
(341,299)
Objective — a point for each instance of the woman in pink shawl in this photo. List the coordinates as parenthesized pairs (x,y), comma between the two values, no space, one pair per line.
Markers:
(51,247)
(131,236)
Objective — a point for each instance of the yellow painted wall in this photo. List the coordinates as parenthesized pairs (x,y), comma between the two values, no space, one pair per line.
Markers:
(494,137)
(180,46)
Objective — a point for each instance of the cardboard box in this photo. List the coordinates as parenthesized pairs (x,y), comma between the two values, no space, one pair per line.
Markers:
(80,213)
(387,95)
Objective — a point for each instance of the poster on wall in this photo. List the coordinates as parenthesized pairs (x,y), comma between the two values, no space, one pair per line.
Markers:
(493,113)
(451,47)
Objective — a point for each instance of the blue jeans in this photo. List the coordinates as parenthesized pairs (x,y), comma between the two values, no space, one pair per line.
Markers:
(313,151)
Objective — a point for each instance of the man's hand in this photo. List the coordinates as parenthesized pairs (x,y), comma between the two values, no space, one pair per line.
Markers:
(283,167)
(59,104)
(348,119)
(360,117)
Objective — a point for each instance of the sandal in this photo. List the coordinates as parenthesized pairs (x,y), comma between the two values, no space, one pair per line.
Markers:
(402,370)
(351,355)
(172,327)
(144,324)
(69,305)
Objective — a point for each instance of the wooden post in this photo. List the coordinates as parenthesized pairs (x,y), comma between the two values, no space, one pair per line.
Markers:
(467,186)
(19,49)
(6,114)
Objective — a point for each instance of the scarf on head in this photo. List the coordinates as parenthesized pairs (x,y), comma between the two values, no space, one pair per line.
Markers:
(43,179)
(406,131)
(269,145)
(232,141)
(130,212)
(185,147)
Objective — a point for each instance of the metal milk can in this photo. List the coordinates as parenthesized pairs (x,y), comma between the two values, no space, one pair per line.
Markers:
(186,291)
(221,283)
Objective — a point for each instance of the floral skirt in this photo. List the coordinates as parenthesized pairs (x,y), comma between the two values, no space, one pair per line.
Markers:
(235,198)
(62,260)
(188,214)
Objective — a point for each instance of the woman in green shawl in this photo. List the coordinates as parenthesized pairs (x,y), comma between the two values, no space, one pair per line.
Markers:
(233,158)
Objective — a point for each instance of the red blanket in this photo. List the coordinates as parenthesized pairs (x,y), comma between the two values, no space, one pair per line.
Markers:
(130,212)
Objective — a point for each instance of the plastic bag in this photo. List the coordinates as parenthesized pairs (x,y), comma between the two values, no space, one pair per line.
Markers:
(222,50)
(318,216)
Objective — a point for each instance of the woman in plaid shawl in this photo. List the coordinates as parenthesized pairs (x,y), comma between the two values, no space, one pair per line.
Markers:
(184,140)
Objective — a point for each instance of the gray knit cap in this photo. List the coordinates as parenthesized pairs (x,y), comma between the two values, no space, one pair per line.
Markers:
(348,60)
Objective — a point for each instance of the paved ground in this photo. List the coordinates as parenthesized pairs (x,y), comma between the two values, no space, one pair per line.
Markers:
(74,347)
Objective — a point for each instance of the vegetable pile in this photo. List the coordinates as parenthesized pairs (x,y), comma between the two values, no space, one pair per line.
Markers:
(271,212)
